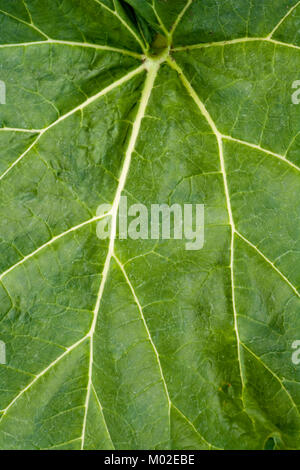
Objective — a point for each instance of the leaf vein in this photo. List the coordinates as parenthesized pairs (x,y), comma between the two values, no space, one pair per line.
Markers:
(31,25)
(274,375)
(283,19)
(295,290)
(145,96)
(218,135)
(83,105)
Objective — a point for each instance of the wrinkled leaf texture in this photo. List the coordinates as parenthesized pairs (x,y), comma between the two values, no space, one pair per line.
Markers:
(123,344)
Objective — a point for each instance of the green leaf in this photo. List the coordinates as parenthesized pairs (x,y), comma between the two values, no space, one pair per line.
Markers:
(141,344)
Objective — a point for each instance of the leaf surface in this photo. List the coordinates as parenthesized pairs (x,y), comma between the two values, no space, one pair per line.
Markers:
(142,344)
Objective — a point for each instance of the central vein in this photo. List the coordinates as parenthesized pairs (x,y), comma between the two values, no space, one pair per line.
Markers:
(152,69)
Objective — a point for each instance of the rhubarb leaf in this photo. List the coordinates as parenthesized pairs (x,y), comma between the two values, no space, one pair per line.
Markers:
(140,343)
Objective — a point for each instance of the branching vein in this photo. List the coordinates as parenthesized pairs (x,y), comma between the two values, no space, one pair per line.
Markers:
(205,45)
(146,328)
(170,404)
(218,135)
(30,25)
(283,19)
(75,44)
(69,113)
(181,14)
(124,23)
(50,242)
(294,289)
(274,375)
(146,93)
(261,149)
